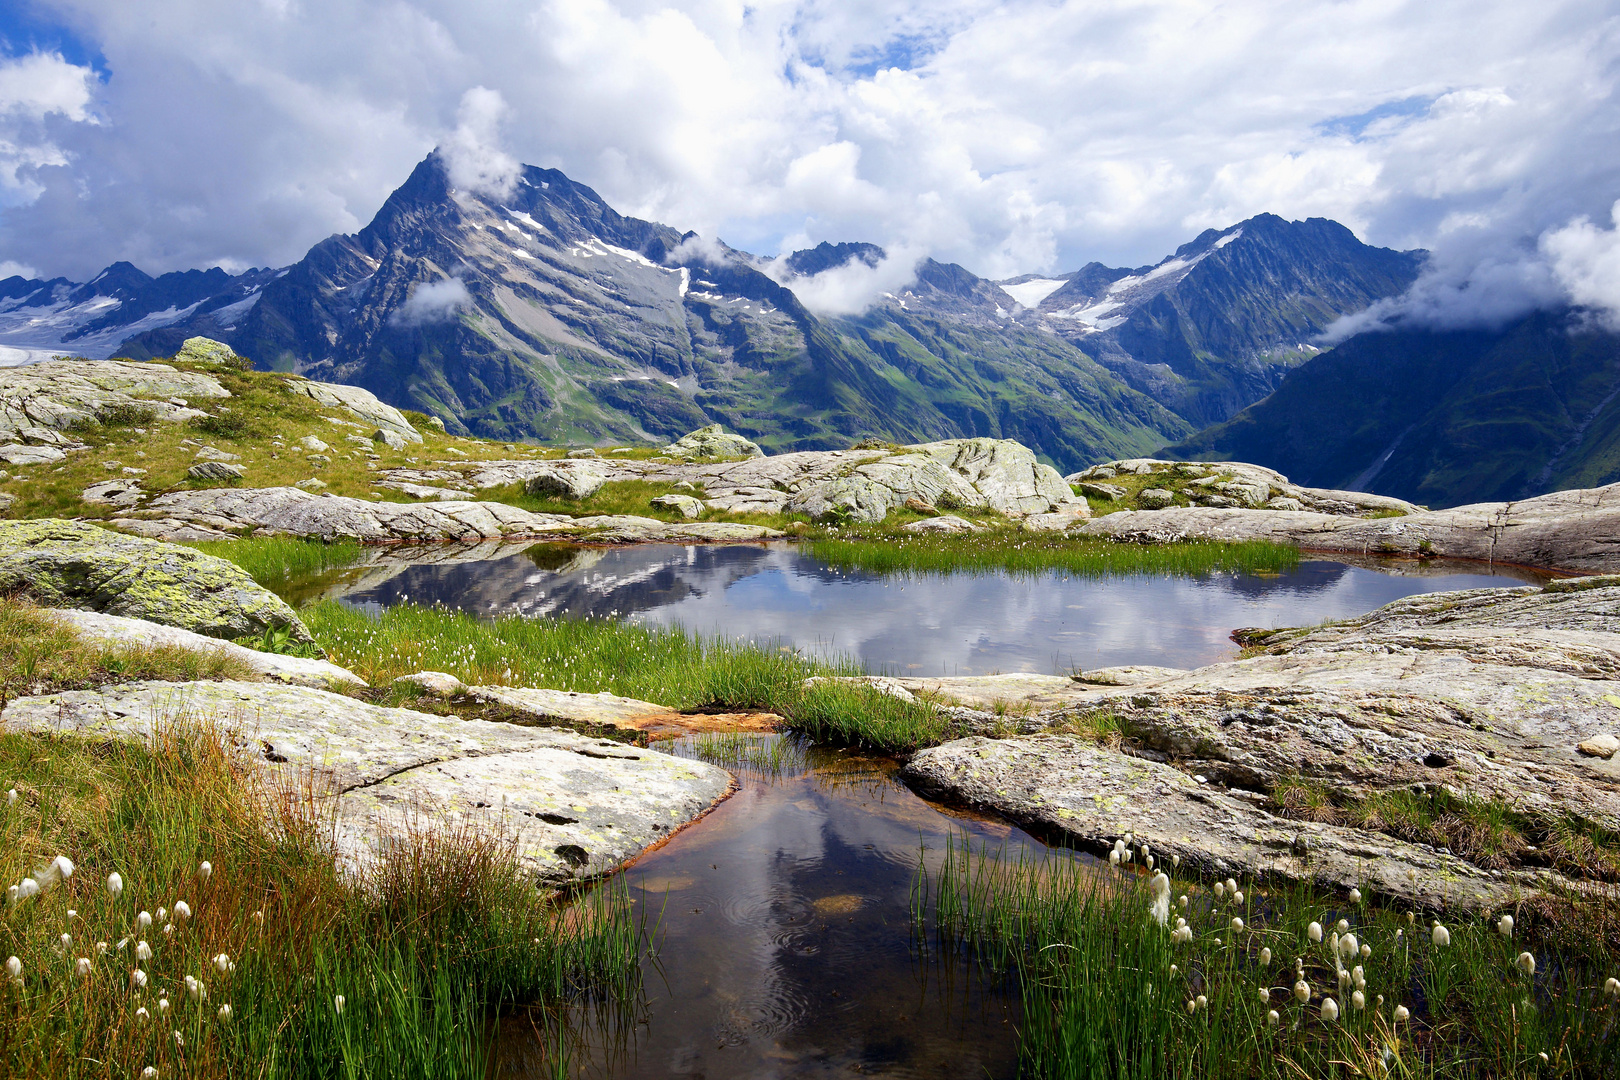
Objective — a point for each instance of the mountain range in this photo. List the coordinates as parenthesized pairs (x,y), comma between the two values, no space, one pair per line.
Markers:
(541,312)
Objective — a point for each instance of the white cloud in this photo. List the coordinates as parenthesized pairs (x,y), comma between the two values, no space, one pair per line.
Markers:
(851,288)
(1011,136)
(1586,260)
(472,154)
(33,88)
(9,268)
(432,302)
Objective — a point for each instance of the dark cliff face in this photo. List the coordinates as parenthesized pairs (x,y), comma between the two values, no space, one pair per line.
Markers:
(1442,418)
(542,312)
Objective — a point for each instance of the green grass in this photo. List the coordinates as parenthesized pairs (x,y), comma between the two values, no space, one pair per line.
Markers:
(41,655)
(1107,992)
(1025,553)
(858,715)
(667,666)
(278,560)
(424,947)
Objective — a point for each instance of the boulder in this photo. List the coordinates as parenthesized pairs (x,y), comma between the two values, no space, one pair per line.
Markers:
(1155,498)
(712,441)
(1111,492)
(1058,520)
(360,403)
(851,498)
(437,684)
(314,444)
(585,452)
(685,504)
(215,470)
(214,453)
(71,564)
(572,807)
(566,480)
(117,630)
(1005,473)
(201,350)
(20,454)
(391,439)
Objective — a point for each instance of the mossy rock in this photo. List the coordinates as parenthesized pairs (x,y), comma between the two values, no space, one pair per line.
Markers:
(72,564)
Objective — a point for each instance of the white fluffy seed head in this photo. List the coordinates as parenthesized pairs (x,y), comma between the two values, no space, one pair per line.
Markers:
(1265,956)
(1355,896)
(337,1004)
(83,965)
(143,951)
(1366,952)
(182,911)
(1504,926)
(1440,936)
(224,1013)
(1612,988)
(1314,932)
(1302,991)
(137,979)
(1526,963)
(143,921)
(1175,861)
(115,884)
(1237,925)
(1402,1013)
(1273,1018)
(1220,889)
(1265,993)
(1237,897)
(205,870)
(1330,1009)
(1358,1000)
(149,1073)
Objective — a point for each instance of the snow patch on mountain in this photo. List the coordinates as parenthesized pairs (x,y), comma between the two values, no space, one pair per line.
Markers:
(1030,293)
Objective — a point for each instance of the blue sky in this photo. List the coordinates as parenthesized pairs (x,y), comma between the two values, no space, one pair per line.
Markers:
(1017,137)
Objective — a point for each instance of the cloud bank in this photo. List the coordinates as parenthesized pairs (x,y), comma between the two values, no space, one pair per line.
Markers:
(1012,137)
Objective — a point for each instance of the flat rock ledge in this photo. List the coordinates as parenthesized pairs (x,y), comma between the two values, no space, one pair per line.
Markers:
(1062,786)
(1511,695)
(119,632)
(573,807)
(1576,531)
(224,513)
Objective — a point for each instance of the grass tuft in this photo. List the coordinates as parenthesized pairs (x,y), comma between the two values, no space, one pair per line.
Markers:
(1024,553)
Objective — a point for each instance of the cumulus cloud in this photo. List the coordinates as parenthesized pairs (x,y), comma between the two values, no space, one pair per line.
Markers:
(33,88)
(1586,261)
(1011,136)
(473,156)
(9,268)
(432,302)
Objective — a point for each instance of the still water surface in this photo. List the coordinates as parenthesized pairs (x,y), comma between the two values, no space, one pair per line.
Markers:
(960,624)
(786,948)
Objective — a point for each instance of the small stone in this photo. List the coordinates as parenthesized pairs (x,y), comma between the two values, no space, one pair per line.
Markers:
(314,483)
(1155,499)
(318,460)
(945,523)
(437,684)
(1603,746)
(215,470)
(128,470)
(112,466)
(688,506)
(214,453)
(391,439)
(436,422)
(1111,492)
(310,442)
(587,452)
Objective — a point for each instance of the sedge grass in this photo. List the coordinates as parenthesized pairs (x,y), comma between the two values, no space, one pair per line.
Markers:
(667,666)
(859,715)
(279,560)
(1021,553)
(1108,992)
(423,947)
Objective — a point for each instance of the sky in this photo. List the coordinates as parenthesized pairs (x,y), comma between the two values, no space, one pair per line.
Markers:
(1030,136)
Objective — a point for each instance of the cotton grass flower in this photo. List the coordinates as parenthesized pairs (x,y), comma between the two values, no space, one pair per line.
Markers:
(222,964)
(137,979)
(1175,861)
(205,871)
(1203,1002)
(11,797)
(14,970)
(1220,890)
(142,1015)
(1526,963)
(143,921)
(1273,1018)
(1440,936)
(1237,897)
(82,966)
(1504,926)
(143,951)
(1611,987)
(1160,908)
(27,888)
(1265,956)
(1302,991)
(1366,952)
(163,1005)
(1237,925)
(1330,1009)
(162,914)
(182,911)
(225,1014)
(1402,1014)
(1344,926)
(1265,993)
(168,929)
(1355,896)
(1349,947)
(101,948)
(1314,932)
(149,1073)
(337,1004)
(115,885)
(1358,1000)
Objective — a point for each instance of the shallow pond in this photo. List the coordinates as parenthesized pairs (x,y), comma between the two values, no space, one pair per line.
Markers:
(785,947)
(959,624)
(785,944)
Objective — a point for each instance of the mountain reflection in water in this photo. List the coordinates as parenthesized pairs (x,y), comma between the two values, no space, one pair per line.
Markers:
(959,624)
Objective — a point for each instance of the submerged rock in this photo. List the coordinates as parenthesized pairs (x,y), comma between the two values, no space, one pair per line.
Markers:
(573,807)
(71,564)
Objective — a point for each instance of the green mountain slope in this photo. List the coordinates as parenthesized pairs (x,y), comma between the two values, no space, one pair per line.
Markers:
(1441,418)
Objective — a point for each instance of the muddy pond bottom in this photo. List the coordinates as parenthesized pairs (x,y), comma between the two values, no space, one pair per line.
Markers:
(784,944)
(938,624)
